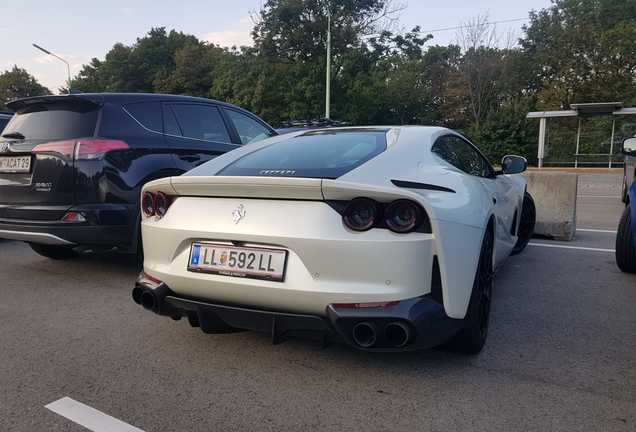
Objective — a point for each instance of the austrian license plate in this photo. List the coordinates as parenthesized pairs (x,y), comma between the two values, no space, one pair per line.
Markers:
(245,262)
(15,164)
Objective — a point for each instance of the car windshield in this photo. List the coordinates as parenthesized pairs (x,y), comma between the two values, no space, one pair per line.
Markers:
(315,154)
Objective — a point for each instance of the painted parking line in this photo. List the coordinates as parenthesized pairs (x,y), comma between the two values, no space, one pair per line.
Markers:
(558,246)
(88,417)
(596,230)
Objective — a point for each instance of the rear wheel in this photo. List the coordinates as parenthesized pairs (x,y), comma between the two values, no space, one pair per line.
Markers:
(472,337)
(54,252)
(625,244)
(526,224)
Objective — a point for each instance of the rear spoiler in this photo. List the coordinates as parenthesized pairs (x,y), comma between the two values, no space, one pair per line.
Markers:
(82,102)
(311,189)
(249,187)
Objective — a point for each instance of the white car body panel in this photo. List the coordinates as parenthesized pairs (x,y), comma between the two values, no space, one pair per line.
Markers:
(328,263)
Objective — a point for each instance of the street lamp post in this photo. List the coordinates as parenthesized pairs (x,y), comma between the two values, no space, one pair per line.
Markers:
(68,67)
(328,77)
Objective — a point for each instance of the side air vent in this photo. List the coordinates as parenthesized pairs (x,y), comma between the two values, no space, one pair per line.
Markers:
(436,282)
(416,185)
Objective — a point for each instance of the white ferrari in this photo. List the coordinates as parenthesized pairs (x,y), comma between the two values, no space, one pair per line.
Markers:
(385,238)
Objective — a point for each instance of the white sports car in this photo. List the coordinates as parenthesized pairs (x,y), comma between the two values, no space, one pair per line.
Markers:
(385,238)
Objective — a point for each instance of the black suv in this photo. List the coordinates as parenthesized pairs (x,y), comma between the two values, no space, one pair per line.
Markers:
(71,167)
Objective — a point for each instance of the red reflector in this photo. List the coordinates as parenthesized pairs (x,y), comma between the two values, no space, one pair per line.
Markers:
(364,305)
(149,280)
(95,149)
(65,148)
(73,217)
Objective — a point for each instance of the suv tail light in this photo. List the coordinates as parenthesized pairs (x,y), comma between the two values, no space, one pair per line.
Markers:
(89,149)
(96,149)
(64,148)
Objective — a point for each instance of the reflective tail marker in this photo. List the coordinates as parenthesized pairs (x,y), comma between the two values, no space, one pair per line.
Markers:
(88,417)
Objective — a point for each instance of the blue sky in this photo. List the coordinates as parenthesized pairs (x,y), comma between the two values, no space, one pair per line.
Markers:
(79,30)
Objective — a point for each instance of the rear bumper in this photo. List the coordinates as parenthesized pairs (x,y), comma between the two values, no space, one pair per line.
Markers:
(425,320)
(105,225)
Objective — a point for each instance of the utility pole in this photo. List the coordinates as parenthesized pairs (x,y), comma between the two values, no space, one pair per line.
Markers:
(68,67)
(328,78)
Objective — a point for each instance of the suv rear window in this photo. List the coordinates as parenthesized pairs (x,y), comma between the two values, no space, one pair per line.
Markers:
(316,154)
(146,113)
(55,121)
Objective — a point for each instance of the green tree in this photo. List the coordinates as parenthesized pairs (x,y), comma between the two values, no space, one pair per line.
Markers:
(136,68)
(18,83)
(290,41)
(583,51)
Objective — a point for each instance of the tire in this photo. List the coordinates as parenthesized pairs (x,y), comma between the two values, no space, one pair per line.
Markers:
(54,252)
(472,337)
(526,224)
(625,244)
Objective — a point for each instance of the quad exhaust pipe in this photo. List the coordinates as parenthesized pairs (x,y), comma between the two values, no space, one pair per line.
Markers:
(397,334)
(364,334)
(150,299)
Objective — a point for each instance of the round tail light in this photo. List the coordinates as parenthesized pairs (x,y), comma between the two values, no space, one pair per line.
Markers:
(402,216)
(361,214)
(148,204)
(161,204)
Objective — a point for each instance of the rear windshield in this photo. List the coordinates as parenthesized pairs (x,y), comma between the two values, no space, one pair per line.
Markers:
(55,121)
(317,154)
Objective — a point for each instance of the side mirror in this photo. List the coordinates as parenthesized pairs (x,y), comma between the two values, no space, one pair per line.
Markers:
(629,146)
(511,164)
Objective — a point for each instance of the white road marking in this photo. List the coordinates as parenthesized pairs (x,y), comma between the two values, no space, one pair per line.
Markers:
(88,417)
(558,246)
(596,230)
(598,196)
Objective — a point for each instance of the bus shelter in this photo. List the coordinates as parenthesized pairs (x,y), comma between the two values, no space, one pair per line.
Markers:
(581,111)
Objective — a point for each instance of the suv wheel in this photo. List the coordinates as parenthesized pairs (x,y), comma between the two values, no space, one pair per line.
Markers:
(526,224)
(54,252)
(626,244)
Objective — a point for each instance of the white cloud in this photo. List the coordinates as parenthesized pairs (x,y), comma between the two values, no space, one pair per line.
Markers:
(237,35)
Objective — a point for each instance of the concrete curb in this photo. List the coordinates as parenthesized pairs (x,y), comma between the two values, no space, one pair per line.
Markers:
(554,194)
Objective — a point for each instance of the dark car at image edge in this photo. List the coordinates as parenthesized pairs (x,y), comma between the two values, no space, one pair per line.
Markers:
(71,167)
(4,119)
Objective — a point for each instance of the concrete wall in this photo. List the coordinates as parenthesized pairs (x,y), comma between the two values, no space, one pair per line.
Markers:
(554,195)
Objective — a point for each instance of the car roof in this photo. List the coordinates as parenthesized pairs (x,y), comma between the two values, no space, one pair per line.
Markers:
(423,130)
(121,98)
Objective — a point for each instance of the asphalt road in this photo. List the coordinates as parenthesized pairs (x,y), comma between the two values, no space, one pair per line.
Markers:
(561,355)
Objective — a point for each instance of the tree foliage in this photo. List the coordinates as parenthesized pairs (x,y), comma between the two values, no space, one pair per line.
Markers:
(572,51)
(18,83)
